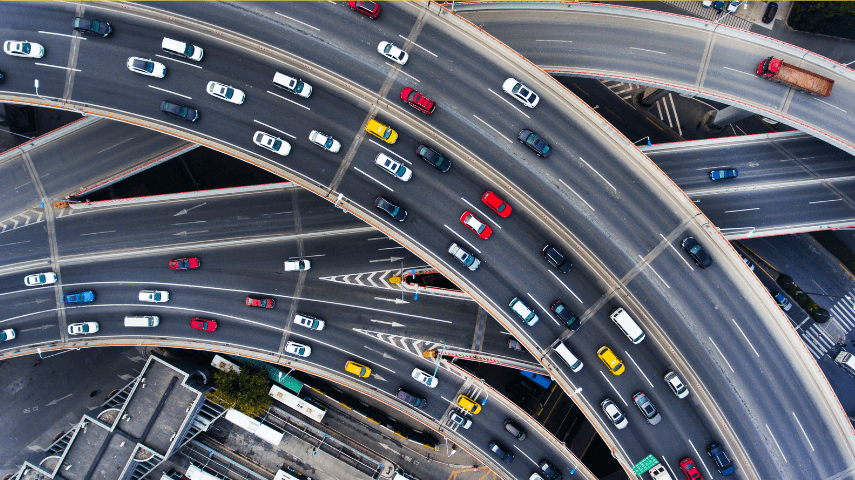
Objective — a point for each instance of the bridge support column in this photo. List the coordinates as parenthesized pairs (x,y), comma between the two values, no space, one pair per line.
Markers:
(650,96)
(718,120)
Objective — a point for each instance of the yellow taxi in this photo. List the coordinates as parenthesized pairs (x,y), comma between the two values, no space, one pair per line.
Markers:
(381,131)
(357,369)
(468,404)
(615,366)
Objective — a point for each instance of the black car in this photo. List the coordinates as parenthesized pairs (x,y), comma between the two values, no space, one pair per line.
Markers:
(694,249)
(565,315)
(549,471)
(514,344)
(393,210)
(536,143)
(771,10)
(413,400)
(1,77)
(181,111)
(556,258)
(514,430)
(501,452)
(722,461)
(92,27)
(433,157)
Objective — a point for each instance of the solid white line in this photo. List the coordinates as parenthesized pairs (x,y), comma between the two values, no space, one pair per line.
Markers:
(57,66)
(667,112)
(830,105)
(61,34)
(698,455)
(308,256)
(563,41)
(390,151)
(739,71)
(288,100)
(416,44)
(508,102)
(390,248)
(372,178)
(646,50)
(461,238)
(654,271)
(676,120)
(744,336)
(173,59)
(14,243)
(776,443)
(826,201)
(722,355)
(742,210)
(479,211)
(277,213)
(537,303)
(615,389)
(493,129)
(526,456)
(96,233)
(803,431)
(295,20)
(169,91)
(712,168)
(673,475)
(639,368)
(659,109)
(598,173)
(574,193)
(565,286)
(189,223)
(678,253)
(274,128)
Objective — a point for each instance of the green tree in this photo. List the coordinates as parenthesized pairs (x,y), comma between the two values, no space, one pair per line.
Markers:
(246,393)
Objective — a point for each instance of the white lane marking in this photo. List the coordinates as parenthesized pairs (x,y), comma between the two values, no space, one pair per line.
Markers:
(776,443)
(416,44)
(288,100)
(673,475)
(676,119)
(562,41)
(14,243)
(526,456)
(61,34)
(308,256)
(740,71)
(462,239)
(615,389)
(742,210)
(173,59)
(598,173)
(507,101)
(678,253)
(97,233)
(276,129)
(390,248)
(390,151)
(639,368)
(189,223)
(722,355)
(803,431)
(712,168)
(295,20)
(565,286)
(277,213)
(698,455)
(405,73)
(830,105)
(169,91)
(493,129)
(538,304)
(574,193)
(479,211)
(360,357)
(826,201)
(654,272)
(744,336)
(58,66)
(646,50)
(372,178)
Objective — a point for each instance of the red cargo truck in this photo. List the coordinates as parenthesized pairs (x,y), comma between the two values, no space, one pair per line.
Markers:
(776,70)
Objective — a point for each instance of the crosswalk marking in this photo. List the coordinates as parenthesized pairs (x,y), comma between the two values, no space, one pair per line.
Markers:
(817,340)
(709,13)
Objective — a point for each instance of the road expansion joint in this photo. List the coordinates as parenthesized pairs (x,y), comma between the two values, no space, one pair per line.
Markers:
(301,280)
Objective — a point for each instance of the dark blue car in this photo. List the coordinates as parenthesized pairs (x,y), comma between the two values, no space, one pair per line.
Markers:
(724,173)
(78,297)
(722,461)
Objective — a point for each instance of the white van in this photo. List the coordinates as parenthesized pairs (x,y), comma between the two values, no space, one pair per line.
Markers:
(627,325)
(293,85)
(574,363)
(182,49)
(144,321)
(847,361)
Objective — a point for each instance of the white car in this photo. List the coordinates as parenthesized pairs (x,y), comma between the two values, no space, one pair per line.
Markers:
(274,144)
(155,296)
(520,92)
(226,92)
(146,67)
(24,49)
(422,377)
(37,279)
(82,328)
(298,349)
(706,3)
(615,415)
(393,167)
(458,419)
(294,85)
(6,335)
(676,385)
(297,265)
(311,323)
(733,5)
(392,53)
(324,141)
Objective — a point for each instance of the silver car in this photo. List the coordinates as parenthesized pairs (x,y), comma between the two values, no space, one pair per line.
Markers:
(154,296)
(422,377)
(467,259)
(522,93)
(274,144)
(226,92)
(145,66)
(677,386)
(298,349)
(82,328)
(324,141)
(615,415)
(24,49)
(392,53)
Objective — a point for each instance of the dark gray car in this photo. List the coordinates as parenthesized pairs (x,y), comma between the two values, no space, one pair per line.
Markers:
(393,210)
(187,113)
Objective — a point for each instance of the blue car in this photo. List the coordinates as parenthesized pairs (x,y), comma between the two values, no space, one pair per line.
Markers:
(722,461)
(725,173)
(78,297)
(718,6)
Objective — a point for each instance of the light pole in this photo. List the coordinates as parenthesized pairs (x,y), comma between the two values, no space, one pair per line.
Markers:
(36,84)
(642,138)
(55,354)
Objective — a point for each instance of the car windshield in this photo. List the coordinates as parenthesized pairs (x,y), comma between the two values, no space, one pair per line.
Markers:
(41,279)
(144,65)
(189,50)
(228,92)
(329,143)
(298,87)
(387,132)
(695,249)
(501,207)
(388,48)
(413,96)
(276,144)
(84,328)
(401,171)
(545,149)
(155,296)
(25,47)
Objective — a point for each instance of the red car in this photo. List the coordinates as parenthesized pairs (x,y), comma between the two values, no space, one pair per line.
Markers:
(185,263)
(203,324)
(496,204)
(418,101)
(691,471)
(482,229)
(368,8)
(260,302)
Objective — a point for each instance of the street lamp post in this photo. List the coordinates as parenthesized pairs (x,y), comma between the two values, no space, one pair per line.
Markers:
(36,84)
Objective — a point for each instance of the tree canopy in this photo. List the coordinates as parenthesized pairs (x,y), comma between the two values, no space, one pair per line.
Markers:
(246,392)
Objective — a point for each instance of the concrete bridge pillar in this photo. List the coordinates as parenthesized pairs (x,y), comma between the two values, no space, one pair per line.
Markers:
(722,118)
(650,96)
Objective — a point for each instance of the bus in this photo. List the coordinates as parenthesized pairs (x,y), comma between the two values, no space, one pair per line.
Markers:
(314,410)
(541,380)
(198,473)
(288,473)
(400,475)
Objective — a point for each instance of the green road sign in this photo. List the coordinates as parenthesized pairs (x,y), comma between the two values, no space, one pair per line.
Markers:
(645,464)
